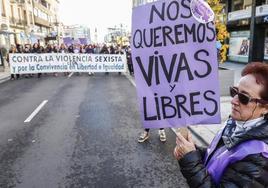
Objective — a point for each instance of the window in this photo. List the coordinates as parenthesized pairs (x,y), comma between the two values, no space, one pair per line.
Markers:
(19,14)
(31,17)
(247,4)
(237,5)
(239,46)
(25,16)
(35,12)
(12,11)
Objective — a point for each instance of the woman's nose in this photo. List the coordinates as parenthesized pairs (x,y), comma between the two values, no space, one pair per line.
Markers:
(235,100)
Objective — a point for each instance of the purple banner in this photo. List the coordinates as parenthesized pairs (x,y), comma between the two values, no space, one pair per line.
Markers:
(67,41)
(175,63)
(83,41)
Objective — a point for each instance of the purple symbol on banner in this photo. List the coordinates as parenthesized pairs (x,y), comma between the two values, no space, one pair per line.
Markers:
(201,11)
(83,41)
(67,41)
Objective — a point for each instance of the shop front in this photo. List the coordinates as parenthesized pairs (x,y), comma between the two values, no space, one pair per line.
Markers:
(239,46)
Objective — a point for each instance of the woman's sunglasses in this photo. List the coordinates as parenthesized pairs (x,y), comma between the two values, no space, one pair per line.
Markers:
(243,98)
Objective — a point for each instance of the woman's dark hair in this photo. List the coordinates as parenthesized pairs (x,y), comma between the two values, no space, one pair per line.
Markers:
(260,72)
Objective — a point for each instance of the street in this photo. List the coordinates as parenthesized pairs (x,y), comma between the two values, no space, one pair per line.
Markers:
(83,135)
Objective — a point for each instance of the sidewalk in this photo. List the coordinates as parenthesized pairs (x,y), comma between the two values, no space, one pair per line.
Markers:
(4,76)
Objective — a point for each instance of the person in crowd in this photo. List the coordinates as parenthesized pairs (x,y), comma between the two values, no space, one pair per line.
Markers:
(20,50)
(55,49)
(120,51)
(27,50)
(63,48)
(12,50)
(105,50)
(77,50)
(71,49)
(1,58)
(112,50)
(49,49)
(82,49)
(36,49)
(145,135)
(129,61)
(238,155)
(89,49)
(96,48)
(42,49)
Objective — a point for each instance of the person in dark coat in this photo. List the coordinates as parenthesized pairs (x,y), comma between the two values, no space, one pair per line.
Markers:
(129,61)
(89,49)
(119,51)
(238,155)
(13,49)
(27,50)
(37,49)
(71,49)
(49,49)
(105,50)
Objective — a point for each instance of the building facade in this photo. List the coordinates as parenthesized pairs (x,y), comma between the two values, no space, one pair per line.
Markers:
(27,21)
(7,36)
(46,20)
(247,23)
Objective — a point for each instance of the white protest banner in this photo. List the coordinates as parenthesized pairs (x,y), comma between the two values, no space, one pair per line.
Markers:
(66,62)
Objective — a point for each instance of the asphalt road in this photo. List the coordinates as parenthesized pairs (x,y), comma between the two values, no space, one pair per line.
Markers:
(85,135)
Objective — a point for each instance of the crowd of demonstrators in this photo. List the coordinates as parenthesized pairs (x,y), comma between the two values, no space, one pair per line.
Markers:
(73,48)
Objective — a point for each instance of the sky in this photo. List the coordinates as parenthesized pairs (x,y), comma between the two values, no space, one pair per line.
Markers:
(99,14)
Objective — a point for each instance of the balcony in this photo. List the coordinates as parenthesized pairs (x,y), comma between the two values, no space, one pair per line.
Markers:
(18,1)
(262,10)
(17,22)
(40,21)
(3,20)
(239,14)
(43,8)
(21,1)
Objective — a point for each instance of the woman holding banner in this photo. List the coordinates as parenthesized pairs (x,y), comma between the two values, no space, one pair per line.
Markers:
(238,155)
(12,50)
(37,50)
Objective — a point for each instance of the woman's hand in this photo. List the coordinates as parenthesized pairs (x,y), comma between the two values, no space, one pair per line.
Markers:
(184,146)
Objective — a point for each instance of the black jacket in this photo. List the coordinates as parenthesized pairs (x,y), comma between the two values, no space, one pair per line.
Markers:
(250,172)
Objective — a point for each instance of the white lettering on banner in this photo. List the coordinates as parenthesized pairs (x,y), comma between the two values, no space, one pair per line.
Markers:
(57,62)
